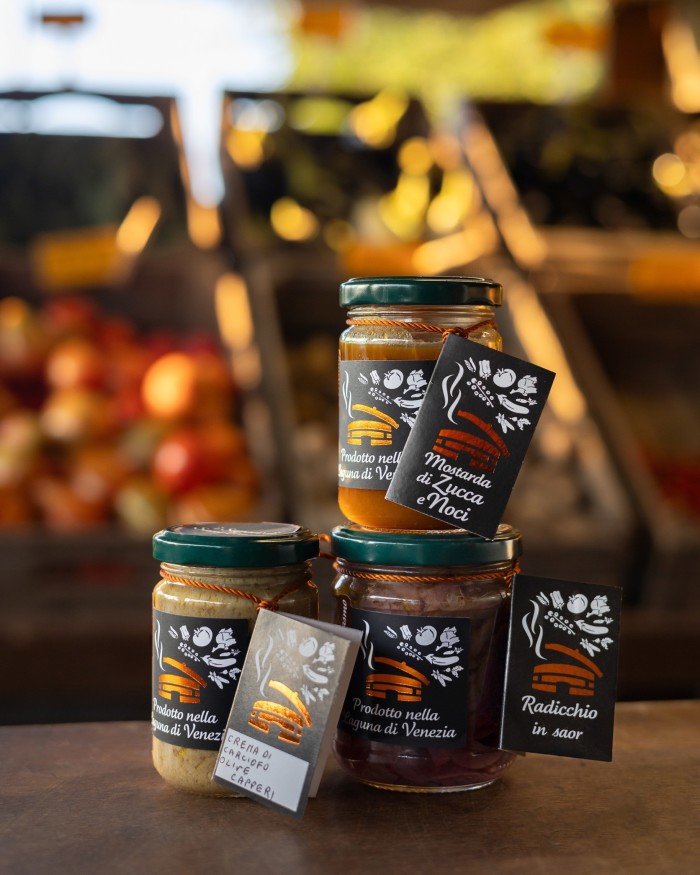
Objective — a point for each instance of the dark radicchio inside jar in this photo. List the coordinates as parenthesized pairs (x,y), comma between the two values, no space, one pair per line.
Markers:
(423,709)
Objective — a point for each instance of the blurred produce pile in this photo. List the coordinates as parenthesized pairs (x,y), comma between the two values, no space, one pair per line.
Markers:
(612,167)
(101,423)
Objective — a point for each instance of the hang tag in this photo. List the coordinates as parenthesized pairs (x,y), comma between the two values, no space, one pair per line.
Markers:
(561,670)
(286,709)
(471,434)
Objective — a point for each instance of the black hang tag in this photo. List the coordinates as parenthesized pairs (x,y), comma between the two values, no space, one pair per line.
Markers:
(561,670)
(471,434)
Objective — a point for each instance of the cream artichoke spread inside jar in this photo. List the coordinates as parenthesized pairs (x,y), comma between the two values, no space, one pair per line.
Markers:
(214,579)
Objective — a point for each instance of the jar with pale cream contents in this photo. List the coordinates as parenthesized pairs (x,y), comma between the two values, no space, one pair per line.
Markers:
(214,579)
(396,327)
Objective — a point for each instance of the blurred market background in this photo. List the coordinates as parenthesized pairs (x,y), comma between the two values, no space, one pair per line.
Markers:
(183,186)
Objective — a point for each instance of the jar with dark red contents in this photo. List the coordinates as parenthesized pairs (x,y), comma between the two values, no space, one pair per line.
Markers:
(423,709)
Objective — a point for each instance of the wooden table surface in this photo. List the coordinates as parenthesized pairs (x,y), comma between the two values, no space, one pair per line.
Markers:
(78,798)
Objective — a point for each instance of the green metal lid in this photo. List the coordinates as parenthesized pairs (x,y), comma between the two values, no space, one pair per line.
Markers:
(436,548)
(235,545)
(438,290)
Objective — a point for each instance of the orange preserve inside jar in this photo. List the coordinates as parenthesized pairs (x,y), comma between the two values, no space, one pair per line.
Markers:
(396,327)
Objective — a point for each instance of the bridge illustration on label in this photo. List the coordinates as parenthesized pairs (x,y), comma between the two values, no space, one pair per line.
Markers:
(378,431)
(482,447)
(407,683)
(289,722)
(185,687)
(575,617)
(578,677)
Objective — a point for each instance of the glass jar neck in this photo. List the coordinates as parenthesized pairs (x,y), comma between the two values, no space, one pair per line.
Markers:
(250,577)
(456,315)
(427,573)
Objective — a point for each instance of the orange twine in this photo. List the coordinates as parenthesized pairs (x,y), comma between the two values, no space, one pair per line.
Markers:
(411,578)
(269,604)
(426,326)
(426,578)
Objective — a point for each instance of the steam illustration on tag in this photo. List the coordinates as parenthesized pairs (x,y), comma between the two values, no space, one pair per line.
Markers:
(470,436)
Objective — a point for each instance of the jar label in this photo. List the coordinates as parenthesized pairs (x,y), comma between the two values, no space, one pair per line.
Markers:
(196,665)
(379,402)
(410,684)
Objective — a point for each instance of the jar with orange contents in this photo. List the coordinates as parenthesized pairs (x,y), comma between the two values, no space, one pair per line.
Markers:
(396,327)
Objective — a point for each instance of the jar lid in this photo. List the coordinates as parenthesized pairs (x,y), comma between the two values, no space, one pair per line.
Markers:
(437,290)
(448,548)
(235,545)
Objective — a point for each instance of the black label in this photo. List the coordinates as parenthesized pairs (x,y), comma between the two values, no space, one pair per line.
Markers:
(561,674)
(464,453)
(196,664)
(379,402)
(410,681)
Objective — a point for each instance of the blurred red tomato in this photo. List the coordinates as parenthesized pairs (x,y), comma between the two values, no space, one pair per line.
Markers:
(7,400)
(224,444)
(23,342)
(69,315)
(63,509)
(115,332)
(96,471)
(180,461)
(71,415)
(215,503)
(15,508)
(214,385)
(169,388)
(76,363)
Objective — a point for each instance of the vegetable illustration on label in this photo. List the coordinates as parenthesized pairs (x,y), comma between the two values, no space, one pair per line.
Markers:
(576,675)
(511,406)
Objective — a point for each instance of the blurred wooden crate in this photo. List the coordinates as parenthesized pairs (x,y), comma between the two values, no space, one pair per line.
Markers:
(75,632)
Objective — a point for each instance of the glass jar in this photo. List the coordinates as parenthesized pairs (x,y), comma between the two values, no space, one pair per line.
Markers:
(387,355)
(423,708)
(214,579)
